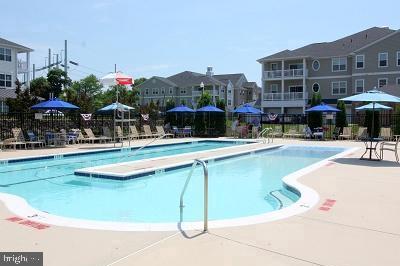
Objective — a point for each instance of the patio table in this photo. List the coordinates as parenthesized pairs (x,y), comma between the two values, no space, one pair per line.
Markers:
(371,144)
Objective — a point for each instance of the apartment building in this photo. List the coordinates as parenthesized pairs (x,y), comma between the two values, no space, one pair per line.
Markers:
(186,87)
(350,65)
(14,64)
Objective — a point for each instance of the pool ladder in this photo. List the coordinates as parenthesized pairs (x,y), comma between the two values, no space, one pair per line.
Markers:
(270,136)
(181,205)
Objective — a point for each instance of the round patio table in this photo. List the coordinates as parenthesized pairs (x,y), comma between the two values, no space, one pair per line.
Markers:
(371,144)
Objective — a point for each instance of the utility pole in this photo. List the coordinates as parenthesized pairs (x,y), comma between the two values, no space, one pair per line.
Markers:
(34,71)
(65,58)
(57,61)
(49,61)
(115,68)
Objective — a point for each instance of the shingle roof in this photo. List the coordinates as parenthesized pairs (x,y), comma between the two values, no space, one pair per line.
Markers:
(15,45)
(188,78)
(234,78)
(7,93)
(170,83)
(250,84)
(340,47)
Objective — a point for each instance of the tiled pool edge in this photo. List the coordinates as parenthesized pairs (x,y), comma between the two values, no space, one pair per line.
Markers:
(308,199)
(92,172)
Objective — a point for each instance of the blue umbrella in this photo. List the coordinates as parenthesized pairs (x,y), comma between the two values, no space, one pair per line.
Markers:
(181,109)
(370,106)
(323,108)
(247,109)
(115,106)
(54,104)
(372,96)
(210,109)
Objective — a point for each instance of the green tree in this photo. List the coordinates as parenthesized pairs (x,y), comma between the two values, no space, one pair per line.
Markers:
(201,120)
(23,101)
(57,79)
(40,87)
(204,100)
(341,120)
(315,118)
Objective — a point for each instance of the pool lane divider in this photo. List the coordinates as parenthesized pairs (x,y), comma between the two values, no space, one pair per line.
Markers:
(95,172)
(33,224)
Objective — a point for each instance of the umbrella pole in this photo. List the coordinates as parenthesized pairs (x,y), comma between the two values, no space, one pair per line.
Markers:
(372,129)
(129,124)
(114,128)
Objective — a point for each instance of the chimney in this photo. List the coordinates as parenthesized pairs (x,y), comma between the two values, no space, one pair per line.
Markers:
(209,72)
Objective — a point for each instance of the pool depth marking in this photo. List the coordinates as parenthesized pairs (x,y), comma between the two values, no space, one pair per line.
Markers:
(33,224)
(327,205)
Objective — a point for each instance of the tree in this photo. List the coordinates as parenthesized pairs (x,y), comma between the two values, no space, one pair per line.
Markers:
(23,101)
(315,118)
(341,120)
(57,79)
(40,87)
(201,120)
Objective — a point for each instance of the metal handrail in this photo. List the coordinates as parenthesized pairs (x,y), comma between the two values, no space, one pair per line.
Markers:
(144,146)
(270,137)
(205,170)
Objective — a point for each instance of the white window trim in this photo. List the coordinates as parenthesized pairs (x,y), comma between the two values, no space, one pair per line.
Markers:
(363,60)
(272,67)
(155,90)
(11,54)
(398,81)
(319,87)
(296,64)
(387,56)
(387,80)
(345,82)
(5,80)
(355,85)
(319,65)
(295,86)
(146,91)
(345,69)
(277,88)
(397,58)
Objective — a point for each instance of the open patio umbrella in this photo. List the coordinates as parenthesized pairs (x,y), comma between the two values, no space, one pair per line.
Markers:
(370,106)
(116,78)
(247,109)
(115,106)
(372,96)
(323,108)
(209,109)
(54,104)
(181,109)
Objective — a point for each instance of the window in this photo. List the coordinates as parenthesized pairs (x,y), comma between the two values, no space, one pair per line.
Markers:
(315,87)
(229,102)
(398,58)
(5,80)
(274,88)
(360,61)
(229,91)
(162,91)
(296,66)
(146,91)
(274,66)
(315,65)
(183,91)
(170,90)
(339,87)
(382,82)
(339,64)
(398,81)
(383,59)
(155,91)
(359,86)
(5,54)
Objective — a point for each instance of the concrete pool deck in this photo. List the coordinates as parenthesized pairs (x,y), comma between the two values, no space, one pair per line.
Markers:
(360,227)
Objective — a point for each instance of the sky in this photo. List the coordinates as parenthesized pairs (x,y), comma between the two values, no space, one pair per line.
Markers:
(162,38)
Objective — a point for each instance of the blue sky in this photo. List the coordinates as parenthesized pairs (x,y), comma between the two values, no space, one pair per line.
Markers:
(146,38)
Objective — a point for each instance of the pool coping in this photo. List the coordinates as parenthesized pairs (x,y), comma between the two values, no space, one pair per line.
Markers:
(308,199)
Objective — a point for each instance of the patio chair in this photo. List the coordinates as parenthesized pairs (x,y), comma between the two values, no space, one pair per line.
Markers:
(33,140)
(187,131)
(91,136)
(336,133)
(290,134)
(277,132)
(346,134)
(161,131)
(386,133)
(362,133)
(390,146)
(17,140)
(308,134)
(148,133)
(119,133)
(107,133)
(133,133)
(72,136)
(81,138)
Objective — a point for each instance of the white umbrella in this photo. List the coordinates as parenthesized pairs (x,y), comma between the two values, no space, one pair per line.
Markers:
(117,78)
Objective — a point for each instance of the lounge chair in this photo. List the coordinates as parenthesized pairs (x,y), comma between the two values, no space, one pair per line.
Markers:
(35,140)
(277,132)
(161,132)
(346,134)
(390,146)
(107,133)
(362,133)
(386,133)
(147,132)
(133,133)
(18,139)
(119,133)
(293,133)
(187,131)
(92,137)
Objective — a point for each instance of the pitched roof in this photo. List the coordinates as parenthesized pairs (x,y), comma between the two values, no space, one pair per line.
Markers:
(15,45)
(392,89)
(234,78)
(340,47)
(170,83)
(188,78)
(250,84)
(7,93)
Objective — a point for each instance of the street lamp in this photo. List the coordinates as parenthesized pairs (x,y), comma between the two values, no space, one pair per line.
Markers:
(202,87)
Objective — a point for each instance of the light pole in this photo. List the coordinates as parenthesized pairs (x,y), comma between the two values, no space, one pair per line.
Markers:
(202,87)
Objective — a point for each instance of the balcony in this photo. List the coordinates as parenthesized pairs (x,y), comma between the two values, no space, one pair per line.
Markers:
(287,74)
(287,96)
(22,67)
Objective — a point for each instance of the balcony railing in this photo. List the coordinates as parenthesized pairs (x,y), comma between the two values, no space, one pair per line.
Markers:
(287,96)
(287,74)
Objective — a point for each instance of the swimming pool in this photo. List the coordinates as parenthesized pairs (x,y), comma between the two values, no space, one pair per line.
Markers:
(241,186)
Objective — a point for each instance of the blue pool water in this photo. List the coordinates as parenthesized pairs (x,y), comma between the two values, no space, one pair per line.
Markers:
(238,187)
